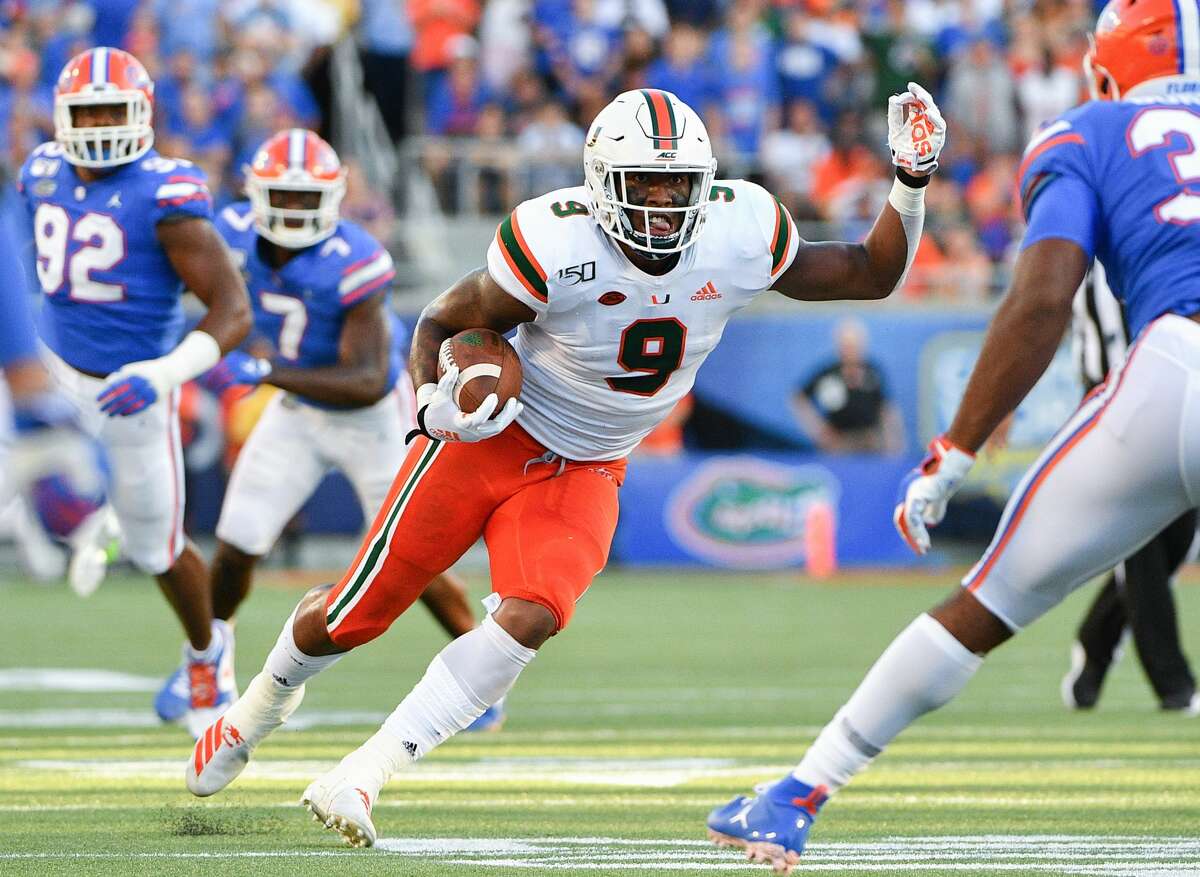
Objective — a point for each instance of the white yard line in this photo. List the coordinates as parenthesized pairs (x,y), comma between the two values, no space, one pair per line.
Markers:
(1057,854)
(650,773)
(70,679)
(145,718)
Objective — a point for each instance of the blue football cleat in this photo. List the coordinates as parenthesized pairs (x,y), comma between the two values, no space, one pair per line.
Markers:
(772,825)
(174,699)
(491,720)
(199,691)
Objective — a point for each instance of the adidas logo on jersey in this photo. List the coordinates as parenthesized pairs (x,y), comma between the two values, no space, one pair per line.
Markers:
(708,292)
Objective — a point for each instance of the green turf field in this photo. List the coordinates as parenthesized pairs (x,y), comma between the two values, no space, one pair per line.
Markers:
(670,693)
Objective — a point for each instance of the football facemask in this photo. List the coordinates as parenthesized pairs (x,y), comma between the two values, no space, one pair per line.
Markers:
(295,161)
(104,77)
(648,132)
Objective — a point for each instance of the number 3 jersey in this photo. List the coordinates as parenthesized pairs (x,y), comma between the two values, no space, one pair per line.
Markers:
(612,348)
(111,296)
(1122,180)
(301,307)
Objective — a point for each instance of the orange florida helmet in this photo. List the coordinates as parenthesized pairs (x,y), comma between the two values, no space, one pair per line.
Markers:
(104,77)
(1144,47)
(295,161)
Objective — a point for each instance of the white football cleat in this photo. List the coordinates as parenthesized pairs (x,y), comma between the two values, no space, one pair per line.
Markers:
(223,750)
(341,806)
(93,546)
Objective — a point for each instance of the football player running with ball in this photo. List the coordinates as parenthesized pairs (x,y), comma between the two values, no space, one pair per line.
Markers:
(319,286)
(618,290)
(120,232)
(1113,179)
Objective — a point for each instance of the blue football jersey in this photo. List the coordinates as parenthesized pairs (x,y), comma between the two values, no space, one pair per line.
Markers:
(1122,180)
(17,339)
(301,307)
(111,296)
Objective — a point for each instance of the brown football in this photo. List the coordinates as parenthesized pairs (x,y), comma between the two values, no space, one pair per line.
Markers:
(486,364)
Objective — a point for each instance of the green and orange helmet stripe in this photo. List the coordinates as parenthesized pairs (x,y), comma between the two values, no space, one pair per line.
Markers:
(663,127)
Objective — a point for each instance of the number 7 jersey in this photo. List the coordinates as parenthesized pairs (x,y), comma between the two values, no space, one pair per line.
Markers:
(111,295)
(612,348)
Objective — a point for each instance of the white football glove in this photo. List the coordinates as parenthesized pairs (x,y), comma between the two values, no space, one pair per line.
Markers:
(926,490)
(440,418)
(916,130)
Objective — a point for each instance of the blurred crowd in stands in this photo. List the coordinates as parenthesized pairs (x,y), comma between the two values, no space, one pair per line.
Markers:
(491,99)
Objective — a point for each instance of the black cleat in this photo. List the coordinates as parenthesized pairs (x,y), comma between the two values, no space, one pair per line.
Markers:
(1081,685)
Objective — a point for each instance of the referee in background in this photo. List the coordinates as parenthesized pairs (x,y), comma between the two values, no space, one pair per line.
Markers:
(1137,594)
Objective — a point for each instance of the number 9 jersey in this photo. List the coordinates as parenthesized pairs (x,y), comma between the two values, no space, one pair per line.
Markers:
(612,348)
(111,296)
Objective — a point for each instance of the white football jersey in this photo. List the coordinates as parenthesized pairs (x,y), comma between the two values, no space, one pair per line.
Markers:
(613,348)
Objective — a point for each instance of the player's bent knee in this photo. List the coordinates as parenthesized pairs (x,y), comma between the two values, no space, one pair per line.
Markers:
(232,559)
(310,630)
(245,537)
(153,561)
(529,621)
(971,623)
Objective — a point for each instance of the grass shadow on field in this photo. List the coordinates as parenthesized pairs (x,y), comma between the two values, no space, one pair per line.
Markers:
(204,820)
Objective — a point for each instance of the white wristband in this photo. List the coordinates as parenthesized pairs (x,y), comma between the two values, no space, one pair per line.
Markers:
(907,200)
(196,354)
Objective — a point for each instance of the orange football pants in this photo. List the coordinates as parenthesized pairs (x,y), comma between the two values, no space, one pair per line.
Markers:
(548,523)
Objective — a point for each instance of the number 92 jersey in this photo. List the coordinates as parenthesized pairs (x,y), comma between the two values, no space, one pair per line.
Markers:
(111,295)
(612,349)
(1117,178)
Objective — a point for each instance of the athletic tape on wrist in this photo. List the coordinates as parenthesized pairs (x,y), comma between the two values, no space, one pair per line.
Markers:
(907,200)
(195,354)
(909,203)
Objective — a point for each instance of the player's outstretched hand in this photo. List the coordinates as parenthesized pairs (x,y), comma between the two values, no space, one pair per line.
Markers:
(916,130)
(130,389)
(237,369)
(440,418)
(926,490)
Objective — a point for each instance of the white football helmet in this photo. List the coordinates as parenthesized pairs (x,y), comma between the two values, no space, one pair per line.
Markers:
(647,131)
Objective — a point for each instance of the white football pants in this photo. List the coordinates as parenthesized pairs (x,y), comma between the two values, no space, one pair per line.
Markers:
(146,457)
(294,445)
(1122,468)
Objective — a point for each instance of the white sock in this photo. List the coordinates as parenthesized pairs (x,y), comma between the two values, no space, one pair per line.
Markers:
(263,707)
(923,669)
(288,666)
(467,676)
(215,641)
